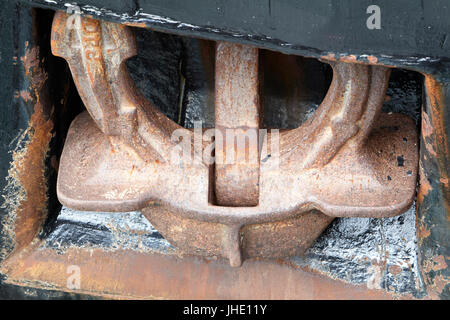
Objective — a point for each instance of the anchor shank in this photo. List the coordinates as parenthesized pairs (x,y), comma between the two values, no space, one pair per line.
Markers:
(237,112)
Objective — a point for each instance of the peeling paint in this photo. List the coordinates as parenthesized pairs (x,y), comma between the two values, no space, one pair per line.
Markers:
(25,95)
(424,185)
(434,195)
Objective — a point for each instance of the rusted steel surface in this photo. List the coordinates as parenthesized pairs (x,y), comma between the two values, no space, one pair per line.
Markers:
(434,192)
(97,65)
(357,251)
(237,110)
(129,274)
(25,195)
(29,168)
(345,161)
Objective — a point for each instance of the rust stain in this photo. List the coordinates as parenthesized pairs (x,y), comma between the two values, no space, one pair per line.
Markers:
(424,188)
(329,56)
(27,172)
(424,185)
(435,142)
(427,128)
(31,175)
(372,59)
(437,288)
(440,263)
(440,141)
(437,263)
(422,231)
(429,148)
(137,24)
(351,58)
(25,95)
(427,132)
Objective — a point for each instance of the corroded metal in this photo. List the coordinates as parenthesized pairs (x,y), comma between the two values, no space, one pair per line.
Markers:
(433,223)
(348,160)
(130,274)
(26,191)
(237,108)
